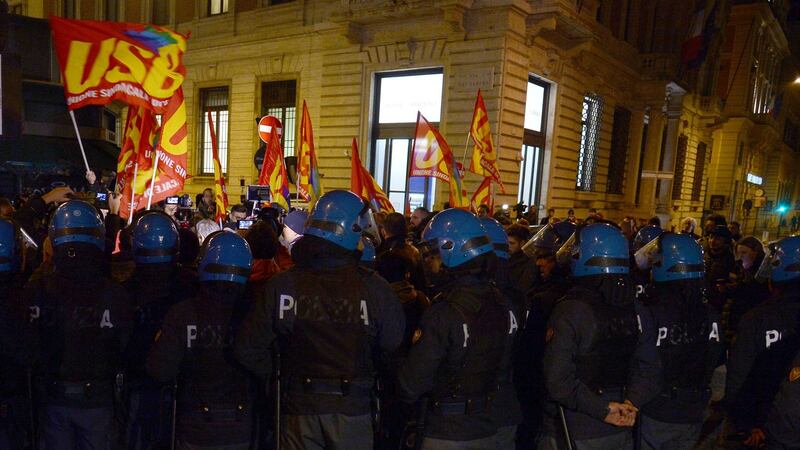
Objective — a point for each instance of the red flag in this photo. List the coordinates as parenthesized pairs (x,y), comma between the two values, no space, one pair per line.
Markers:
(105,61)
(273,173)
(136,156)
(432,157)
(309,184)
(365,186)
(484,156)
(484,195)
(220,191)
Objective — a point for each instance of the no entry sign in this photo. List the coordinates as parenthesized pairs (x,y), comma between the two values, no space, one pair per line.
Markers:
(267,125)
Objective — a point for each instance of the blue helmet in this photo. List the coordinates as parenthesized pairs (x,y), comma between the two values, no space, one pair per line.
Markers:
(645,235)
(457,236)
(564,229)
(782,262)
(225,256)
(341,217)
(672,257)
(77,221)
(155,239)
(596,249)
(545,242)
(497,235)
(10,248)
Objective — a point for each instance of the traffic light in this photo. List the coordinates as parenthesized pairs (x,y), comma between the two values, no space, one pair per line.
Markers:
(782,208)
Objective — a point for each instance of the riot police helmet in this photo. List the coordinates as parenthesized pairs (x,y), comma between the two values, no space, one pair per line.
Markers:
(155,239)
(598,248)
(225,256)
(457,236)
(497,235)
(77,221)
(672,257)
(342,217)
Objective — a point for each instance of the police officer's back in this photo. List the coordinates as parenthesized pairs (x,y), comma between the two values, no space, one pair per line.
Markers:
(156,284)
(689,341)
(596,358)
(506,408)
(783,424)
(82,321)
(462,339)
(328,319)
(767,340)
(215,394)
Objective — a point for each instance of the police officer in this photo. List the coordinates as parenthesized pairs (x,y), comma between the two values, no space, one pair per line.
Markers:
(506,411)
(641,277)
(542,298)
(329,320)
(688,340)
(14,349)
(156,284)
(194,347)
(600,364)
(459,349)
(766,343)
(783,425)
(82,320)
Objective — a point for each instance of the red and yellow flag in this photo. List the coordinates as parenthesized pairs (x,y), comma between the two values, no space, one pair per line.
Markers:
(101,62)
(432,157)
(484,195)
(484,156)
(169,145)
(220,191)
(309,184)
(365,186)
(273,173)
(136,155)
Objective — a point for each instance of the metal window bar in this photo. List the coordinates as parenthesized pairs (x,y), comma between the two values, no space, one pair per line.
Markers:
(216,100)
(699,170)
(590,135)
(680,167)
(619,150)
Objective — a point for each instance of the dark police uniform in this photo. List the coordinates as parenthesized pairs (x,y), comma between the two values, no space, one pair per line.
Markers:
(760,358)
(154,289)
(528,370)
(329,320)
(690,345)
(215,394)
(458,359)
(783,425)
(598,353)
(82,325)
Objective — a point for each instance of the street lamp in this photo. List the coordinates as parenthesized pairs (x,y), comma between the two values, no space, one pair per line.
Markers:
(782,208)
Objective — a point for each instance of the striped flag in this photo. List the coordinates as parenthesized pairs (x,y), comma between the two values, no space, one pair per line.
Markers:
(484,156)
(220,191)
(432,157)
(309,184)
(484,195)
(365,186)
(273,173)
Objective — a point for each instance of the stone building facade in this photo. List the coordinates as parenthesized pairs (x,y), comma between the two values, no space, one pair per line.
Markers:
(589,102)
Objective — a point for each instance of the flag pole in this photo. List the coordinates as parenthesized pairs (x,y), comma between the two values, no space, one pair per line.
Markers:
(80,142)
(153,180)
(466,146)
(133,190)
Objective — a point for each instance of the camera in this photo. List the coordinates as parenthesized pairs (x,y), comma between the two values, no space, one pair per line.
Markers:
(244,224)
(101,200)
(173,200)
(258,193)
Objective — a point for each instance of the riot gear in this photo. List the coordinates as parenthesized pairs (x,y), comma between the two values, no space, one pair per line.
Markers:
(225,257)
(457,237)
(341,217)
(155,239)
(497,235)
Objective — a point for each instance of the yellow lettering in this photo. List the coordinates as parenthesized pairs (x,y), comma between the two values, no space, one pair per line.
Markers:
(136,70)
(163,72)
(172,127)
(76,65)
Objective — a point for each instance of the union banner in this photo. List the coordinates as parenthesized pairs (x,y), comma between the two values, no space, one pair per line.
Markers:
(101,62)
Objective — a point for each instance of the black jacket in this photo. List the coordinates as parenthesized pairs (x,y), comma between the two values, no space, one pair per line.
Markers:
(766,342)
(215,393)
(570,336)
(325,293)
(440,352)
(783,425)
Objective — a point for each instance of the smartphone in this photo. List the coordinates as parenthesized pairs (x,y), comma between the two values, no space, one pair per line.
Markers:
(258,193)
(173,200)
(244,224)
(102,197)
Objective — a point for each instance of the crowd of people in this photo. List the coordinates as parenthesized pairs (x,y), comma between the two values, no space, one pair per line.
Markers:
(337,328)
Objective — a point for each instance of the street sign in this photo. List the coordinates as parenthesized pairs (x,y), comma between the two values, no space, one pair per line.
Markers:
(266,126)
(717,202)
